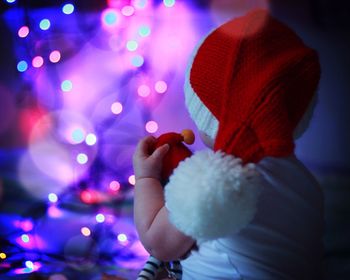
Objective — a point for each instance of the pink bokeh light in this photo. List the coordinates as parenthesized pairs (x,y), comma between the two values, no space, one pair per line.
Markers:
(116,108)
(37,61)
(128,11)
(23,31)
(151,126)
(161,87)
(55,56)
(144,91)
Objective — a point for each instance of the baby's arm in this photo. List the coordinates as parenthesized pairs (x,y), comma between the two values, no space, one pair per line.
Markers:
(160,238)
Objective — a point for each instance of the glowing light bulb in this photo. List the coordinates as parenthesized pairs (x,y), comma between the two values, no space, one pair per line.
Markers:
(144,31)
(82,158)
(100,218)
(44,24)
(66,85)
(23,31)
(22,66)
(161,87)
(169,3)
(128,11)
(144,91)
(114,186)
(116,108)
(25,238)
(55,56)
(85,231)
(151,126)
(53,197)
(131,46)
(3,256)
(132,180)
(122,237)
(137,61)
(68,9)
(90,139)
(37,61)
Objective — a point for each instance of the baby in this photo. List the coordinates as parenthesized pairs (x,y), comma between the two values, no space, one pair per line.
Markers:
(251,207)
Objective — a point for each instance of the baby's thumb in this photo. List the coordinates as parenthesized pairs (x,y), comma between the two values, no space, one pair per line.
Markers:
(160,152)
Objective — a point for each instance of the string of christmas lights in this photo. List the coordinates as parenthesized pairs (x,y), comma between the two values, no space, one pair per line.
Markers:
(96,79)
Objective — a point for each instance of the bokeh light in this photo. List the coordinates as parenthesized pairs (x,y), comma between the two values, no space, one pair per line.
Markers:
(55,56)
(144,31)
(161,87)
(140,4)
(131,45)
(114,186)
(22,66)
(25,238)
(3,256)
(110,18)
(137,60)
(128,11)
(10,1)
(100,218)
(151,127)
(116,108)
(169,3)
(122,237)
(26,225)
(88,197)
(90,139)
(44,24)
(66,85)
(132,180)
(23,31)
(144,91)
(85,231)
(37,61)
(68,9)
(78,136)
(82,158)
(53,197)
(29,264)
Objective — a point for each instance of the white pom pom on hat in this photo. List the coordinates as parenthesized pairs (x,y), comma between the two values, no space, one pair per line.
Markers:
(219,200)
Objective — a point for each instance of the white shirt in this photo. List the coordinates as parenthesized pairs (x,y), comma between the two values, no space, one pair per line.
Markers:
(284,241)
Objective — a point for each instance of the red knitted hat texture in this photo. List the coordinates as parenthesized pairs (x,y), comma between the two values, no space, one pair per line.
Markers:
(257,77)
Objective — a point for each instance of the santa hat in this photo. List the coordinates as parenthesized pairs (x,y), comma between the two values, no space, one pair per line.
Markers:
(249,84)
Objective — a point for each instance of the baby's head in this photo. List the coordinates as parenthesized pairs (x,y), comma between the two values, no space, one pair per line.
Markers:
(250,87)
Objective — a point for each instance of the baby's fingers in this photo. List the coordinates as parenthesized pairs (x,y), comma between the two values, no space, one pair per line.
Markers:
(144,147)
(160,152)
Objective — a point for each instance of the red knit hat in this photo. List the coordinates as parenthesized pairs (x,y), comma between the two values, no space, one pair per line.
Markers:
(257,77)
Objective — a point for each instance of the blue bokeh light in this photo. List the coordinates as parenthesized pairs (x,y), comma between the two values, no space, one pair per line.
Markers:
(22,66)
(137,61)
(66,85)
(144,31)
(68,9)
(44,24)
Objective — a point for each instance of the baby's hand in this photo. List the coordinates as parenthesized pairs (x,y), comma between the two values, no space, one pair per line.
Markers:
(148,164)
